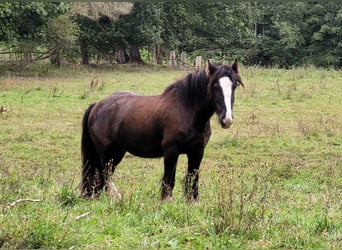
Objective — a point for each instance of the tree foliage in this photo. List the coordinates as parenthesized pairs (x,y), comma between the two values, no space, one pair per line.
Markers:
(26,21)
(265,33)
(299,33)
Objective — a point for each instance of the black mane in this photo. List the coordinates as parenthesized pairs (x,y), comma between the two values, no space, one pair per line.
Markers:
(192,90)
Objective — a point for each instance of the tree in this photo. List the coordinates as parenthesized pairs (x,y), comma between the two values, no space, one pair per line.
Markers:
(298,33)
(325,22)
(141,27)
(24,25)
(281,41)
(62,32)
(97,29)
(26,21)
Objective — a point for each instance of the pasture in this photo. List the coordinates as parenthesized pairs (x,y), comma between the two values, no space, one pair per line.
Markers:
(273,180)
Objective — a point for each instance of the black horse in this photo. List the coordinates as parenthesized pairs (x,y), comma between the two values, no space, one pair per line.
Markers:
(166,125)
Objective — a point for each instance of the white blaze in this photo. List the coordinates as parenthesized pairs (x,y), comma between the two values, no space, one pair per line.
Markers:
(226,85)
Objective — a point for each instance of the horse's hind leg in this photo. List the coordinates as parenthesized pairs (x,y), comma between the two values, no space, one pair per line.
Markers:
(91,183)
(110,188)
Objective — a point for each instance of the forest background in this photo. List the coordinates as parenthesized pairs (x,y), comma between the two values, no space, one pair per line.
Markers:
(257,33)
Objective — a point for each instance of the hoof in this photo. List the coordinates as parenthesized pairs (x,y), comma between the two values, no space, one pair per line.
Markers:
(192,201)
(167,199)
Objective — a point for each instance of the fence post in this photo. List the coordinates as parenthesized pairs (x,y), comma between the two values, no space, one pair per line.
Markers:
(198,62)
(183,59)
(173,62)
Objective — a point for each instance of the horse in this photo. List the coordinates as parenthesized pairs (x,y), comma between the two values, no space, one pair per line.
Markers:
(175,122)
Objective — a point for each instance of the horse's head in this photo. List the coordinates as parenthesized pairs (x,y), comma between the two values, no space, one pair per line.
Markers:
(223,80)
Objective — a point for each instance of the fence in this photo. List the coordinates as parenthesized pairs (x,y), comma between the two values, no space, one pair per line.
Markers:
(26,57)
(23,57)
(182,61)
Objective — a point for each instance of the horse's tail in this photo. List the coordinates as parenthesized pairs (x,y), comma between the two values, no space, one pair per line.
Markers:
(90,160)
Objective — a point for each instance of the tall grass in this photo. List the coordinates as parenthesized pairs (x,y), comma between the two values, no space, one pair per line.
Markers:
(271,181)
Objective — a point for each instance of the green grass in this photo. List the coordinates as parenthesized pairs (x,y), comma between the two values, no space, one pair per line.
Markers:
(273,180)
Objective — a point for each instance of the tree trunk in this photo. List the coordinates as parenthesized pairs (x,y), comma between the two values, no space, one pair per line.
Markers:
(55,58)
(84,54)
(28,56)
(134,55)
(121,56)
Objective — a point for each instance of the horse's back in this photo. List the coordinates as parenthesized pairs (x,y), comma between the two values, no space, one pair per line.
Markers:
(123,92)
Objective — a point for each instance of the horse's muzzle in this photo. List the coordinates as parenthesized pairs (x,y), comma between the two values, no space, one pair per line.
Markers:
(226,122)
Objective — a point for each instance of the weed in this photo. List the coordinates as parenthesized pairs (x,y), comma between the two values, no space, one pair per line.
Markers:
(323,224)
(242,204)
(67,197)
(55,91)
(84,95)
(306,129)
(93,84)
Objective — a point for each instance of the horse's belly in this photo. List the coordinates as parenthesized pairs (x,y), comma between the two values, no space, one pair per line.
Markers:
(144,148)
(153,153)
(148,145)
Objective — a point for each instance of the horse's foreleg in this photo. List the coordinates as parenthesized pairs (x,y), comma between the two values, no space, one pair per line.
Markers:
(191,178)
(168,181)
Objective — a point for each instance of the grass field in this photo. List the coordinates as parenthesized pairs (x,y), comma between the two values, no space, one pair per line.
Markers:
(273,180)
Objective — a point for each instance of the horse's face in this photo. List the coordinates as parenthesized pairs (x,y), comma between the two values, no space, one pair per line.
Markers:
(223,81)
(223,98)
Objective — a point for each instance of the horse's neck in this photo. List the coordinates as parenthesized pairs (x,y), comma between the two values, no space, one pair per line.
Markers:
(203,115)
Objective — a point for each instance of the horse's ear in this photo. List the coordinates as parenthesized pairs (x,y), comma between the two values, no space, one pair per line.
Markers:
(235,66)
(239,80)
(236,70)
(209,69)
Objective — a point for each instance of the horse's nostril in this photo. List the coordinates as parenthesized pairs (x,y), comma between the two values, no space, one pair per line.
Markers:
(222,123)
